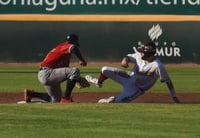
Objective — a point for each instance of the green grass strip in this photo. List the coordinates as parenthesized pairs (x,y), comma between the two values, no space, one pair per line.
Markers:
(16,78)
(99,121)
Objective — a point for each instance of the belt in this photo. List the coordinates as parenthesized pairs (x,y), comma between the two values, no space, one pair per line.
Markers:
(43,68)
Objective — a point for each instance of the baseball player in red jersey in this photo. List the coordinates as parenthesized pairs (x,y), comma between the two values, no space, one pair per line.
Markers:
(55,69)
(147,69)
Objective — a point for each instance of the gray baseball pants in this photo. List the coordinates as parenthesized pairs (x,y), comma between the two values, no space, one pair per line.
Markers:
(51,79)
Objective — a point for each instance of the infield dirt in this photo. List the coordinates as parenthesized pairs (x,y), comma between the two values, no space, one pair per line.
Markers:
(93,97)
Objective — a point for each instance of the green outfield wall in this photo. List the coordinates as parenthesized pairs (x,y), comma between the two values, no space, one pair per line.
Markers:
(177,42)
(108,29)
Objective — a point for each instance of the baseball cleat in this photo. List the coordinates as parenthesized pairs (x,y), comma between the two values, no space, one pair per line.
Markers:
(66,100)
(94,80)
(107,100)
(28,95)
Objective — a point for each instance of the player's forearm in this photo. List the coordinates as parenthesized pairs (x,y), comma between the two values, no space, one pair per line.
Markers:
(173,92)
(77,52)
(171,88)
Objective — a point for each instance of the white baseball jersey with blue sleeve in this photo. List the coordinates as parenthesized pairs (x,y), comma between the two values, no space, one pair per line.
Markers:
(146,74)
(135,83)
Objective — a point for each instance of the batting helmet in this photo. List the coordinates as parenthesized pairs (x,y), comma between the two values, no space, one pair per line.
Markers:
(73,38)
(148,48)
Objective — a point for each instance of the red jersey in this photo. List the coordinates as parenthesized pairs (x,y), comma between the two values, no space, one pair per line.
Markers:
(58,57)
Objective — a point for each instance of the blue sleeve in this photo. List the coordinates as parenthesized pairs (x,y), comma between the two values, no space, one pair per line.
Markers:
(75,50)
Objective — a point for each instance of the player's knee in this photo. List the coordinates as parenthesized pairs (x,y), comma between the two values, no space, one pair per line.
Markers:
(104,69)
(42,79)
(75,73)
(55,99)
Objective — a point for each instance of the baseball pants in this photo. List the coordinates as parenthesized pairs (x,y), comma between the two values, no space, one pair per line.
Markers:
(127,80)
(52,79)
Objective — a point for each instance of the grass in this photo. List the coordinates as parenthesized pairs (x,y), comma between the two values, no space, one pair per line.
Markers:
(16,78)
(185,79)
(100,120)
(93,120)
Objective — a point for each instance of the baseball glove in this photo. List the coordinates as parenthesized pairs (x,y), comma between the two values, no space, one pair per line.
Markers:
(82,83)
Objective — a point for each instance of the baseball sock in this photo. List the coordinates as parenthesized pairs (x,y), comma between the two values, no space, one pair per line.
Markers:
(101,78)
(69,88)
(43,96)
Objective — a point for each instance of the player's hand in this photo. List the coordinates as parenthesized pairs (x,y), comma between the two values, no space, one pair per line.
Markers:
(176,100)
(83,63)
(124,62)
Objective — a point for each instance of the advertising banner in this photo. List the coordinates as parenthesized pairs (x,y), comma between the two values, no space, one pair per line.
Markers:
(183,7)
